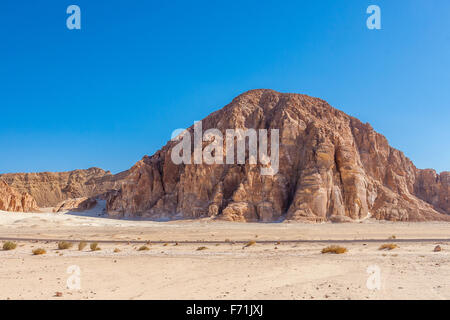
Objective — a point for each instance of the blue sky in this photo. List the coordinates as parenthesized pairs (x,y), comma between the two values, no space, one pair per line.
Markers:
(115,90)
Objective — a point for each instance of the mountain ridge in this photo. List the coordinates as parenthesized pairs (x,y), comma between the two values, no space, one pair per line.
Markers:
(333,167)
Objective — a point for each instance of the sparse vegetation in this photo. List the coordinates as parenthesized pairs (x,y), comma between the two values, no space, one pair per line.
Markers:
(82,245)
(39,251)
(250,243)
(144,248)
(116,250)
(392,237)
(201,248)
(63,245)
(94,246)
(9,245)
(388,246)
(334,249)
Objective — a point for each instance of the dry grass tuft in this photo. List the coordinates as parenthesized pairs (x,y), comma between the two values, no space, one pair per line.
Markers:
(82,245)
(116,250)
(63,245)
(388,246)
(39,251)
(250,243)
(9,245)
(144,248)
(334,249)
(94,246)
(392,237)
(201,248)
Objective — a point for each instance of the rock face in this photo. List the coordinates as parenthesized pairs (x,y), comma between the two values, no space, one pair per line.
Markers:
(13,200)
(332,167)
(77,205)
(51,188)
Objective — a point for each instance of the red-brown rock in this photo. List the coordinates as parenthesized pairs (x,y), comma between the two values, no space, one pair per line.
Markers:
(332,168)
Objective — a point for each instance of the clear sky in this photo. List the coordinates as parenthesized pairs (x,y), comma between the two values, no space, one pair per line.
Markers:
(114,91)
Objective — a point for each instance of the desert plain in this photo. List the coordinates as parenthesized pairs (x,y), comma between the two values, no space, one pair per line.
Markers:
(206,259)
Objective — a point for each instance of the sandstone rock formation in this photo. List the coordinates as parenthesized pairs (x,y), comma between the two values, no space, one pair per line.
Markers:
(51,188)
(332,168)
(77,205)
(13,200)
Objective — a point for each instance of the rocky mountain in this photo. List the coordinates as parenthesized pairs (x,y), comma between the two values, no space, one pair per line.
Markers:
(13,200)
(332,167)
(52,188)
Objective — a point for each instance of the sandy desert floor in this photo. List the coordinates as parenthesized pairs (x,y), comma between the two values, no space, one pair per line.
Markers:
(285,262)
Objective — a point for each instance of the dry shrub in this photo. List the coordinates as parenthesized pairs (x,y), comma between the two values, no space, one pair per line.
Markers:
(82,245)
(388,246)
(116,250)
(201,248)
(9,245)
(334,249)
(94,246)
(63,245)
(250,243)
(144,248)
(39,251)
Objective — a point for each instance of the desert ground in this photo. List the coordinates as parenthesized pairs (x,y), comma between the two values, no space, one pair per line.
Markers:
(204,259)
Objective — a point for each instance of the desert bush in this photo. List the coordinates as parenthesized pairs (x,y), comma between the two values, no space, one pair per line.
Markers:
(94,246)
(39,251)
(144,248)
(392,237)
(116,250)
(82,245)
(334,249)
(388,246)
(63,245)
(201,248)
(250,243)
(9,245)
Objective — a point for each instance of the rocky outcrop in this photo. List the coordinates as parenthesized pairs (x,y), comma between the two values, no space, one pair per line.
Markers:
(434,188)
(13,200)
(332,167)
(76,205)
(51,188)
